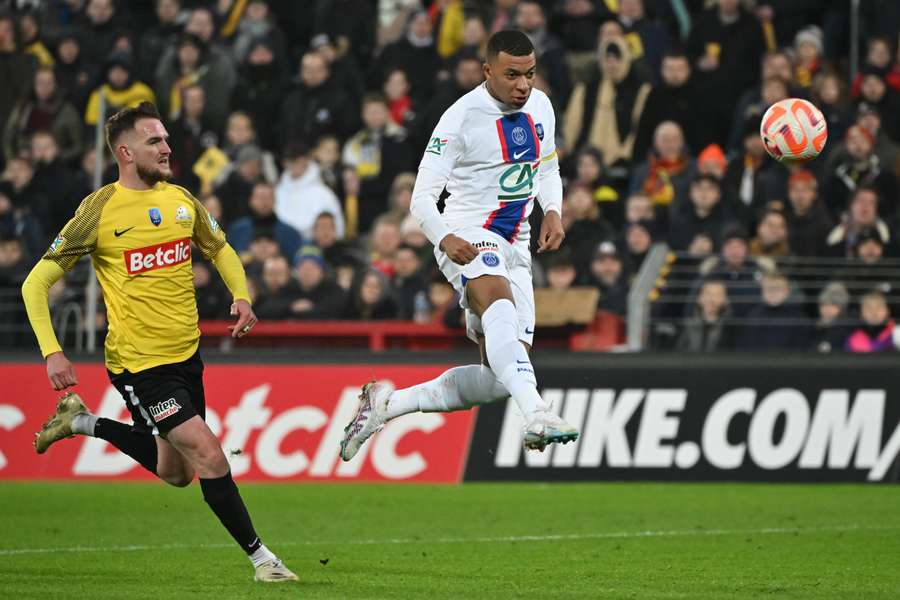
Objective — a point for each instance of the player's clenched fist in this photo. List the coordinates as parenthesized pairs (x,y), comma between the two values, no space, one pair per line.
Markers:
(459,250)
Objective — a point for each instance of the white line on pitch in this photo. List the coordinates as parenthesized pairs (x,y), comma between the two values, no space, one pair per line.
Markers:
(469,540)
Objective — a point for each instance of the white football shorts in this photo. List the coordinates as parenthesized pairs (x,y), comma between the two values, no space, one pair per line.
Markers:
(498,257)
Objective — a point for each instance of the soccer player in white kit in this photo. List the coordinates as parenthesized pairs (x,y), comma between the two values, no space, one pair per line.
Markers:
(494,152)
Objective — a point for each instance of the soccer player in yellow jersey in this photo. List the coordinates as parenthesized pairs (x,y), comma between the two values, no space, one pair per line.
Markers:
(138,232)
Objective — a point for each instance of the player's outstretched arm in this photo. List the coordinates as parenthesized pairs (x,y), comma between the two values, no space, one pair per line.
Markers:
(229,266)
(37,285)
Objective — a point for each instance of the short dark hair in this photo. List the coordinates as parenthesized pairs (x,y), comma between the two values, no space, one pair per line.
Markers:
(125,119)
(514,43)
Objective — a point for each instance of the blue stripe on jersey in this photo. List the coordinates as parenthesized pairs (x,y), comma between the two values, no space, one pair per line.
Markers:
(518,140)
(506,220)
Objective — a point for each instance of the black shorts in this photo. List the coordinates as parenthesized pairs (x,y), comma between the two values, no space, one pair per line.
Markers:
(161,398)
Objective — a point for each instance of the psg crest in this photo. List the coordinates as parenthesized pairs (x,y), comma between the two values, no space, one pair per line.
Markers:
(155,216)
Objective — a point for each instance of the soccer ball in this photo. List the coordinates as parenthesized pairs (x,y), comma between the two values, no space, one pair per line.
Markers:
(793,131)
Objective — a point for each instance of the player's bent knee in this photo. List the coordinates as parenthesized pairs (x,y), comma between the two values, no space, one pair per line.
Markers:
(178,480)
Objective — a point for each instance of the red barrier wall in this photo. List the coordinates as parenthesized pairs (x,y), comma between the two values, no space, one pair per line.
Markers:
(286,421)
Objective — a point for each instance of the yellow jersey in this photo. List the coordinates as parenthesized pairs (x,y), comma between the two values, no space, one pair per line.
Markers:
(140,244)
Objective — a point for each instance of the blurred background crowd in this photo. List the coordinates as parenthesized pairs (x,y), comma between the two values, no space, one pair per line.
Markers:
(300,124)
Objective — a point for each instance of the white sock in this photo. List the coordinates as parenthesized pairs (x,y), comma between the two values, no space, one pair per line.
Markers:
(261,555)
(508,357)
(84,423)
(460,388)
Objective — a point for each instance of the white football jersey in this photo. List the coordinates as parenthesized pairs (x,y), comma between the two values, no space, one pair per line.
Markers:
(491,158)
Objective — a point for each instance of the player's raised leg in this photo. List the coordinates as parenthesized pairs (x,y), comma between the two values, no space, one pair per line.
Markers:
(459,388)
(201,449)
(490,297)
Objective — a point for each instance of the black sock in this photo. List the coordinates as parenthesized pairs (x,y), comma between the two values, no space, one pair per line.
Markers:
(139,446)
(224,499)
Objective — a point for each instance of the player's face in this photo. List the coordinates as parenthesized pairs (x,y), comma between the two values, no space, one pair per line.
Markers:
(150,151)
(511,78)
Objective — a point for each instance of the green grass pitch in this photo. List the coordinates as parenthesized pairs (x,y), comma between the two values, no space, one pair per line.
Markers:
(615,540)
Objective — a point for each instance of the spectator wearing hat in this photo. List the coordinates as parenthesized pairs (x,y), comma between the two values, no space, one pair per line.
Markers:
(867,268)
(707,329)
(415,54)
(637,240)
(75,74)
(877,331)
(674,99)
(607,273)
(862,215)
(301,196)
(771,234)
(809,48)
(120,89)
(832,326)
(314,106)
(257,22)
(875,91)
(605,111)
(345,72)
(350,22)
(666,175)
(45,109)
(808,221)
(886,149)
(318,296)
(277,290)
(706,215)
(262,215)
(584,226)
(260,88)
(860,167)
(734,266)
(244,173)
(777,322)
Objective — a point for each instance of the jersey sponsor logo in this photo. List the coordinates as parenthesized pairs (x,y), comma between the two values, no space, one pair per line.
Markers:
(539,130)
(150,258)
(517,181)
(54,246)
(155,216)
(436,145)
(164,409)
(485,246)
(490,259)
(118,233)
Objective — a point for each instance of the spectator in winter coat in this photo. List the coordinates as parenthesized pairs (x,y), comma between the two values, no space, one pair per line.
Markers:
(415,54)
(778,323)
(262,215)
(16,70)
(45,110)
(120,89)
(862,215)
(808,221)
(860,167)
(771,234)
(878,331)
(707,215)
(319,297)
(75,74)
(608,274)
(605,111)
(674,99)
(300,196)
(707,329)
(832,328)
(739,271)
(277,290)
(666,175)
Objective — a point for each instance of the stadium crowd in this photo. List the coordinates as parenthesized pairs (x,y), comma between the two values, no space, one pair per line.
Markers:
(300,124)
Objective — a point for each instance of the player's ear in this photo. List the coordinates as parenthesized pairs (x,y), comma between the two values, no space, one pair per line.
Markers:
(124,152)
(486,67)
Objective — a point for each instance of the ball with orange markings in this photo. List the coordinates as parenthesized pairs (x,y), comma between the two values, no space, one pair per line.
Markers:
(793,131)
